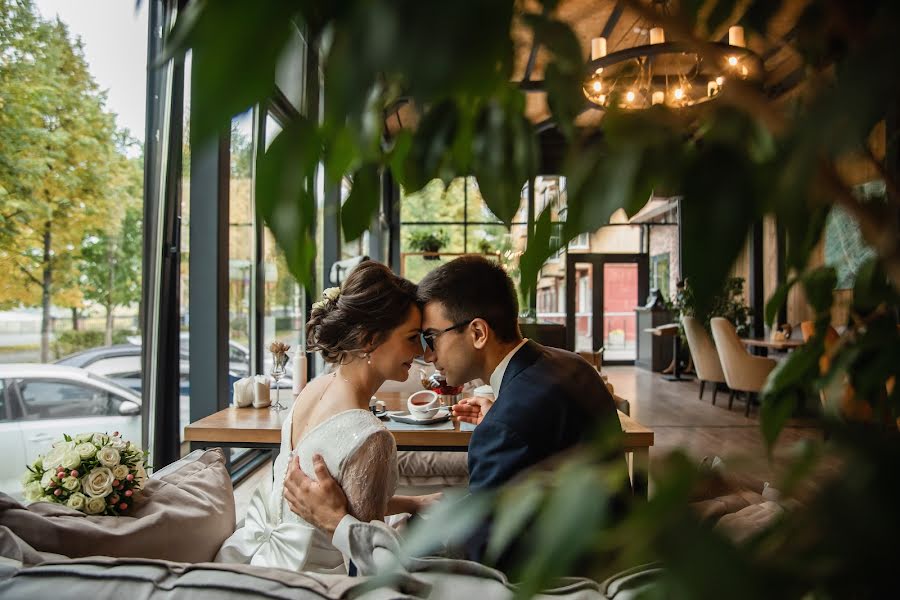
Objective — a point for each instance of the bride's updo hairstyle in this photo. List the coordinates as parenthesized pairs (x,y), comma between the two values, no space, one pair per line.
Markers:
(372,302)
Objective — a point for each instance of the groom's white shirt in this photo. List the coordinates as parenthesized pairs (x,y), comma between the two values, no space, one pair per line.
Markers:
(500,369)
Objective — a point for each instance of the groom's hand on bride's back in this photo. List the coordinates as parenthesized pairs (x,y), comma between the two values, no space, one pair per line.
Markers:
(472,410)
(319,501)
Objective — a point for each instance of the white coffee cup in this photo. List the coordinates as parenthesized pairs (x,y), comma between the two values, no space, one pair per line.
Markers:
(485,391)
(423,404)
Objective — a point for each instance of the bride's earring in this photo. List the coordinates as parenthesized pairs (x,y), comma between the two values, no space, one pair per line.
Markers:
(368,358)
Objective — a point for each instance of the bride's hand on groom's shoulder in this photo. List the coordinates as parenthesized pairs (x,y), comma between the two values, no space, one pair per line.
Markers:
(320,501)
(472,410)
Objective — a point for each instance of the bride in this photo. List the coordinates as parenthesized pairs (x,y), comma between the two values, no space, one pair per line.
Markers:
(369,331)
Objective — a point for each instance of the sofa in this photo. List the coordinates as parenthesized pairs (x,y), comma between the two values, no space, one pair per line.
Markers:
(164,549)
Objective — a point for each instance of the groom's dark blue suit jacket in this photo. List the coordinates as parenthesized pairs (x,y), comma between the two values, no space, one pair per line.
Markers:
(549,401)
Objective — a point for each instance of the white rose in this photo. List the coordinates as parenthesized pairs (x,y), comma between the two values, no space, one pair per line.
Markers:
(118,443)
(71,460)
(64,444)
(108,456)
(78,501)
(99,438)
(28,477)
(47,478)
(53,459)
(33,491)
(95,506)
(38,463)
(71,483)
(120,472)
(86,450)
(83,437)
(332,293)
(97,483)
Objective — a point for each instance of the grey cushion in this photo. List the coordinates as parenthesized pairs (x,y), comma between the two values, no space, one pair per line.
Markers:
(184,513)
(103,577)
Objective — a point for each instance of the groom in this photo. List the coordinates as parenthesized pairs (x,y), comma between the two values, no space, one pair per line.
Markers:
(547,400)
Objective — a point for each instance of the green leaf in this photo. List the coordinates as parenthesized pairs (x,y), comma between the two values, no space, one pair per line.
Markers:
(362,203)
(340,155)
(428,156)
(718,207)
(564,97)
(235,50)
(779,297)
(536,254)
(515,508)
(819,286)
(451,522)
(283,199)
(504,155)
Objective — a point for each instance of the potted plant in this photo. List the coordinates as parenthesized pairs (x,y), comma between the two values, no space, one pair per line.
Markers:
(429,242)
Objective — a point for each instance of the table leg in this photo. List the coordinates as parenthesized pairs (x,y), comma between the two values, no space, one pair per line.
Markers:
(640,472)
(676,368)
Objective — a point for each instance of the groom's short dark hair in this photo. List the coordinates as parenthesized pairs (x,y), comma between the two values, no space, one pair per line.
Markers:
(471,287)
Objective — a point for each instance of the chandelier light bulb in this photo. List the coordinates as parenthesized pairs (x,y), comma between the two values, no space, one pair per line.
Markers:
(732,60)
(629,96)
(720,80)
(679,93)
(597,86)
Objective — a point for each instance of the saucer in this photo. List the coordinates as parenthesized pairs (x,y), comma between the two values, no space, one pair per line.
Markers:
(404,417)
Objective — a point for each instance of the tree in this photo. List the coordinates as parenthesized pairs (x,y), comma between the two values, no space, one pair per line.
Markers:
(111,257)
(58,148)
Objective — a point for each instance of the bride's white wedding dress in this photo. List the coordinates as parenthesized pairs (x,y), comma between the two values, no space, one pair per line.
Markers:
(361,455)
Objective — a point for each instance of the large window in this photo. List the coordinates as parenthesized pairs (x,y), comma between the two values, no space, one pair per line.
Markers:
(71,203)
(439,223)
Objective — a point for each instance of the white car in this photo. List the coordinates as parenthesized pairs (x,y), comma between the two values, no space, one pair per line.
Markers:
(39,403)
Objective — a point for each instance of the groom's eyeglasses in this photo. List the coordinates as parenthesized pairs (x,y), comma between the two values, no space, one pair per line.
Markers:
(428,336)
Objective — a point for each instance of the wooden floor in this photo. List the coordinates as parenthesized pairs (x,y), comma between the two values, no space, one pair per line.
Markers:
(679,419)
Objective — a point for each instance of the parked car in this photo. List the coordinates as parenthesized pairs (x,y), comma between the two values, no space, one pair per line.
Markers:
(40,402)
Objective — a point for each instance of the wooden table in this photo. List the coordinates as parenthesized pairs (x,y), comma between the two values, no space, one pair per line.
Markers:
(261,428)
(766,345)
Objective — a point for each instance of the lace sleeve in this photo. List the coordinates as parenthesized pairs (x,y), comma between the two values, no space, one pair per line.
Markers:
(370,477)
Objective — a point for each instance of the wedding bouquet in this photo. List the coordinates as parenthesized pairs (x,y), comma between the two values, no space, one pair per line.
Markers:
(95,473)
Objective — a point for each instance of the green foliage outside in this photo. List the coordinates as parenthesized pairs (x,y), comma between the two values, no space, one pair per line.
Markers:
(65,182)
(734,161)
(70,342)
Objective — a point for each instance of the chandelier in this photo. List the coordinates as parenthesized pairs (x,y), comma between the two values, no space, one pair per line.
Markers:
(670,73)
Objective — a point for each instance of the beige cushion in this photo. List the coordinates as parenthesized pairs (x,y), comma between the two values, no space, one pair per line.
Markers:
(749,521)
(184,514)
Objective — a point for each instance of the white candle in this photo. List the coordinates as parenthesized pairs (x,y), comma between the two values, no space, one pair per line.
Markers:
(712,88)
(736,36)
(657,35)
(598,48)
(657,97)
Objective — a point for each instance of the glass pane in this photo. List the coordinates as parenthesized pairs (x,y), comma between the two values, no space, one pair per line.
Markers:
(620,291)
(184,395)
(584,307)
(476,208)
(433,203)
(240,242)
(424,247)
(284,299)
(73,102)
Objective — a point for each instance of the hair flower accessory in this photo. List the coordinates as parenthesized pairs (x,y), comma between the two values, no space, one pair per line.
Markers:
(330,295)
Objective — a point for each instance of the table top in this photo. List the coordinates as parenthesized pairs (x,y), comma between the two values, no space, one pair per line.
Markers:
(263,426)
(782,345)
(663,330)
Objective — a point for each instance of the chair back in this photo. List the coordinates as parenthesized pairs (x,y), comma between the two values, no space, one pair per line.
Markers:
(703,351)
